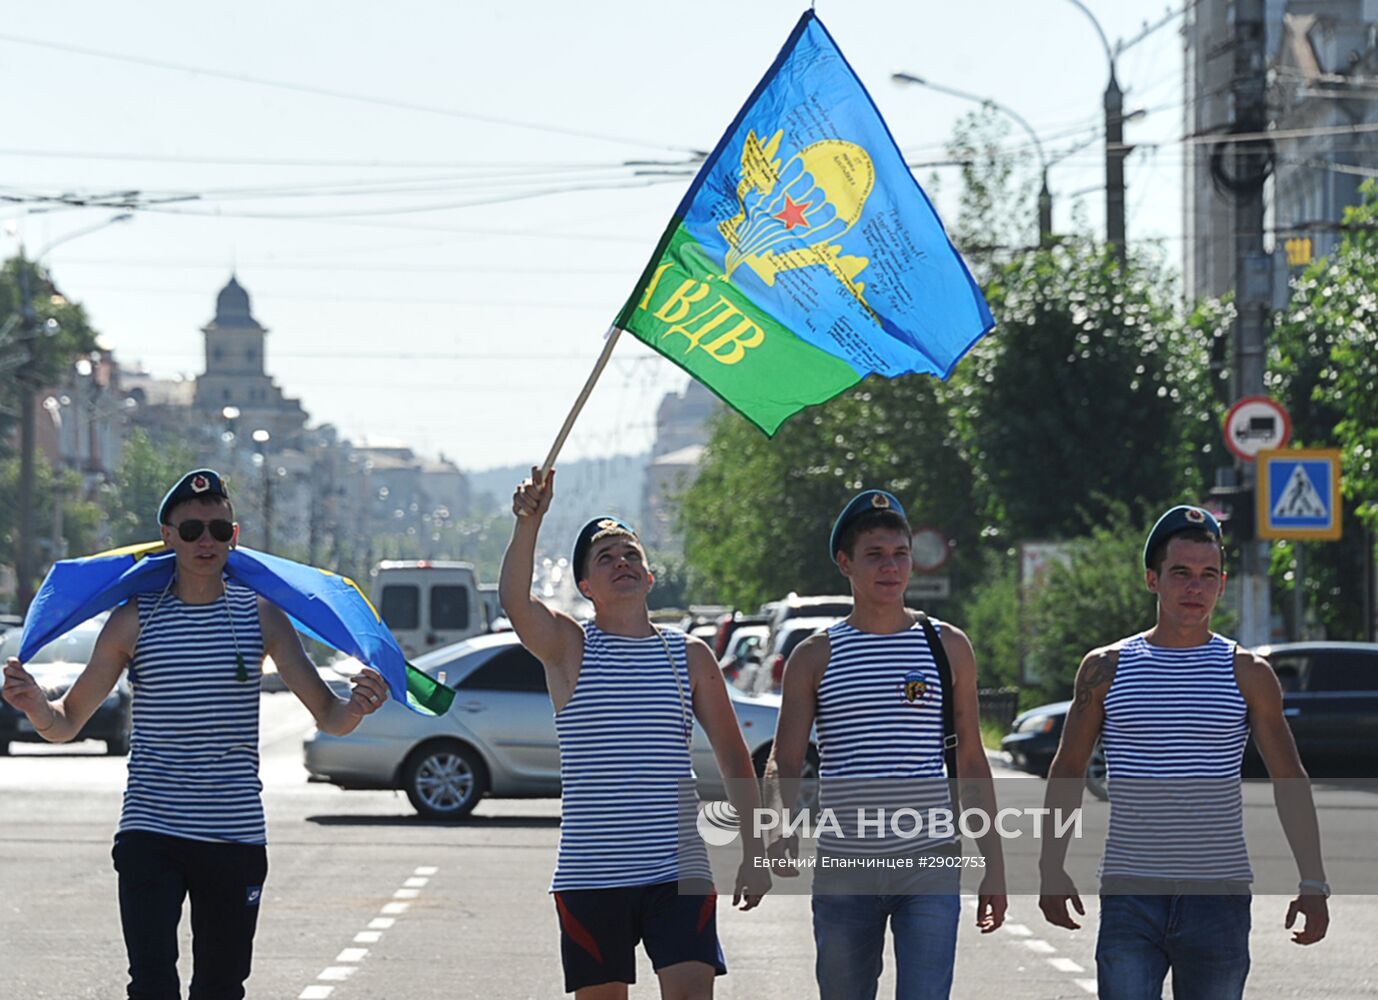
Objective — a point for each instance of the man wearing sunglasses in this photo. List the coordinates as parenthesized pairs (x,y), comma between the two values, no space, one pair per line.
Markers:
(192,822)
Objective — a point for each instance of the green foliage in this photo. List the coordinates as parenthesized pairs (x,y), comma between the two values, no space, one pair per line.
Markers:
(81,519)
(990,618)
(1324,367)
(53,346)
(757,519)
(1097,598)
(996,214)
(1082,397)
(146,471)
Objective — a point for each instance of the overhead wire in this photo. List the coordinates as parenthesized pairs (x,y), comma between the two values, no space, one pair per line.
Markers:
(306,88)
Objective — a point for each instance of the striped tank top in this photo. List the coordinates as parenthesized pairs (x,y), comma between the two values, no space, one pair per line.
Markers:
(193,753)
(628,808)
(1174,735)
(879,722)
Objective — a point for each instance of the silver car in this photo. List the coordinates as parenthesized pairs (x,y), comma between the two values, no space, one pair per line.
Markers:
(497,739)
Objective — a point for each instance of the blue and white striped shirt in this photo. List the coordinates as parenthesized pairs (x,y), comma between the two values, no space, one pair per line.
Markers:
(628,809)
(880,741)
(193,757)
(1174,735)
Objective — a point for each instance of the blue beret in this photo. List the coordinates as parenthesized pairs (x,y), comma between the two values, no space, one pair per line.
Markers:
(585,539)
(199,484)
(1180,518)
(862,503)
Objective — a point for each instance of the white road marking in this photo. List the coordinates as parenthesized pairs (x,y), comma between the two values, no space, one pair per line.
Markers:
(1089,985)
(1018,930)
(346,962)
(1065,965)
(1040,946)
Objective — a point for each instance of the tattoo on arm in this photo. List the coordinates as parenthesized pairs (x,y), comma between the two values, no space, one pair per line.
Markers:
(1097,674)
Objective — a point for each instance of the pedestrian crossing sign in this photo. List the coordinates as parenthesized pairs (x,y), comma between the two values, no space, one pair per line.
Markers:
(1298,494)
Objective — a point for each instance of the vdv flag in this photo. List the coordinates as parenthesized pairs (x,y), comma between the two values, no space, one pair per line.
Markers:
(805,256)
(322,605)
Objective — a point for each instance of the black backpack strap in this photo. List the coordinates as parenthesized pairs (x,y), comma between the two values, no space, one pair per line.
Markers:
(940,660)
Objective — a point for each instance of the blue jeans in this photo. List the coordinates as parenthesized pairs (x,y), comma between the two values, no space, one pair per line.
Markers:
(849,932)
(1204,940)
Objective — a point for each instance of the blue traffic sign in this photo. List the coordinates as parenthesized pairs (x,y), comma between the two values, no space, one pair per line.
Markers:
(1298,494)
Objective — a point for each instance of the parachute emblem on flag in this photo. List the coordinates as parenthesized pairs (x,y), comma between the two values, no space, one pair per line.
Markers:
(789,216)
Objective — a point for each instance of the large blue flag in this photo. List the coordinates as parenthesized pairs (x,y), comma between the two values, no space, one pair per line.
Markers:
(321,604)
(805,257)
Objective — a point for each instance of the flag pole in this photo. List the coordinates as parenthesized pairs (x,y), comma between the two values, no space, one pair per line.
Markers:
(602,362)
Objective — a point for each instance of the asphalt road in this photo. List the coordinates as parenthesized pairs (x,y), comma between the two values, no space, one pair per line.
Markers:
(366,901)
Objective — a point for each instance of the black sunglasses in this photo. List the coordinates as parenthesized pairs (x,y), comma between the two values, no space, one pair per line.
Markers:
(190,530)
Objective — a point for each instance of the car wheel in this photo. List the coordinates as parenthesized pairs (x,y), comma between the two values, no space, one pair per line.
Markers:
(444,780)
(4,748)
(1095,774)
(117,747)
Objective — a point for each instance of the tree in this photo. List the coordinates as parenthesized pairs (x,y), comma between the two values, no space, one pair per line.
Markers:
(81,519)
(145,473)
(54,345)
(1084,395)
(1324,367)
(757,519)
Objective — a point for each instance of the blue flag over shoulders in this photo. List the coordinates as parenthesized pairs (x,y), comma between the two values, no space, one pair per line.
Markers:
(327,607)
(805,257)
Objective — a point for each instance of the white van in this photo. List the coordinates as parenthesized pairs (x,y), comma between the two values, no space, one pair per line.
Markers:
(428,604)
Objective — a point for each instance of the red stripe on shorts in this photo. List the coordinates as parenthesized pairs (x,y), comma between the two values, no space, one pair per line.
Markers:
(706,911)
(577,932)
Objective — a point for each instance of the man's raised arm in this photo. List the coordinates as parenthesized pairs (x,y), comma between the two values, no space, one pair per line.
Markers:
(554,638)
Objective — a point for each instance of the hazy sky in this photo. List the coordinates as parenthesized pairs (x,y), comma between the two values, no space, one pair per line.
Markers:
(430,203)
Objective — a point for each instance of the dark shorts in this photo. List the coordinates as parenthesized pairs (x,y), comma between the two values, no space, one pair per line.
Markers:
(600,929)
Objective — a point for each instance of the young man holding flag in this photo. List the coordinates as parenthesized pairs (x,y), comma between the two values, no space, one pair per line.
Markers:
(887,716)
(631,866)
(192,822)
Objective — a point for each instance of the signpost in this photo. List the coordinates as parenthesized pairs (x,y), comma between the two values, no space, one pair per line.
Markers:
(1255,424)
(1298,494)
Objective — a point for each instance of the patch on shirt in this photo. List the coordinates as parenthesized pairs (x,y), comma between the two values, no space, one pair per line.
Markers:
(916,690)
(252,895)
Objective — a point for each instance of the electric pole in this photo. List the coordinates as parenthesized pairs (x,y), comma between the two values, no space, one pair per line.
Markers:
(1115,153)
(1253,281)
(24,562)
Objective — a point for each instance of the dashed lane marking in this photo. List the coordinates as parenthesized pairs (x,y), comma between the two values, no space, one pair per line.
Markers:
(347,961)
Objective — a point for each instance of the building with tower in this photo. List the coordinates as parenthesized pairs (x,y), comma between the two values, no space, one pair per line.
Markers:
(235,380)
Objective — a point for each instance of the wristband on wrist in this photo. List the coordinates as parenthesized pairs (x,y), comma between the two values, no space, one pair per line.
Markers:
(1314,887)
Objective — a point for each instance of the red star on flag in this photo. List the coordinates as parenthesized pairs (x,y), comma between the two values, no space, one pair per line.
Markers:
(793,215)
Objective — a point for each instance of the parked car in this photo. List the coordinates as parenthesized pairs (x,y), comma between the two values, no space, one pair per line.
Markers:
(728,624)
(1330,700)
(766,675)
(1033,739)
(498,739)
(55,667)
(744,651)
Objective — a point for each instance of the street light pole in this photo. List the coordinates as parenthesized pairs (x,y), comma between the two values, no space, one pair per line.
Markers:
(1045,198)
(1115,149)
